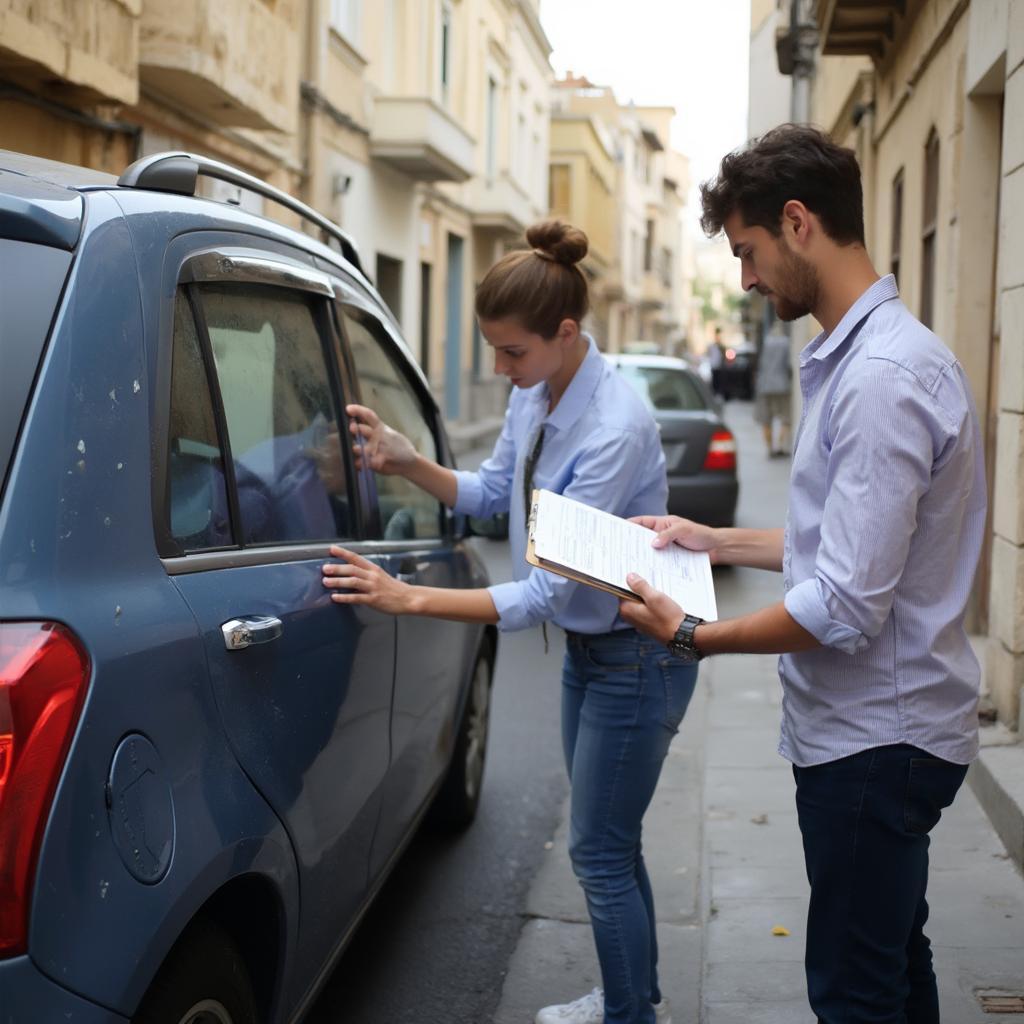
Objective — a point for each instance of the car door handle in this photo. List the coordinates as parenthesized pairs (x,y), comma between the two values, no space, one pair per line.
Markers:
(407,569)
(249,630)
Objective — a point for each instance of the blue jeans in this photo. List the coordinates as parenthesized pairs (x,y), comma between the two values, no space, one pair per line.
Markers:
(623,697)
(865,821)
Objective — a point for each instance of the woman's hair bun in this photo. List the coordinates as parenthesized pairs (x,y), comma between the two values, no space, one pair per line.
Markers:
(561,242)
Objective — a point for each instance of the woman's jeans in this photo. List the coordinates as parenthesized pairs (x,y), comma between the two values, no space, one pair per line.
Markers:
(623,697)
(865,821)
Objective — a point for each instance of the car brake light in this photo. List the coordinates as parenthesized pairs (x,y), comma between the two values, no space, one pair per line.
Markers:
(721,451)
(43,676)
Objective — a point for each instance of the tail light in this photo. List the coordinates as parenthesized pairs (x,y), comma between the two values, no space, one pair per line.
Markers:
(43,677)
(721,451)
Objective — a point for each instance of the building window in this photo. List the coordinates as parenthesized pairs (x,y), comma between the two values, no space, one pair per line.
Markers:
(929,222)
(897,225)
(558,189)
(649,247)
(492,127)
(345,19)
(446,51)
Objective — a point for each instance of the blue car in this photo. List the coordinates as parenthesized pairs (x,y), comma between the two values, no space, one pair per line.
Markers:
(207,768)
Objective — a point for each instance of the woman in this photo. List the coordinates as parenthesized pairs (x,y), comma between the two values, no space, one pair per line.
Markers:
(574,426)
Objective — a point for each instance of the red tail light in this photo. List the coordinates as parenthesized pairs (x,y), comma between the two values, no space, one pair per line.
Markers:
(43,678)
(721,451)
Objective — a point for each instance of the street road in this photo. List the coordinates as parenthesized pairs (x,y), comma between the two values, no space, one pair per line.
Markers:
(435,944)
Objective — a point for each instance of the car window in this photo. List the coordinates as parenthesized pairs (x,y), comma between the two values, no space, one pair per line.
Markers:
(406,511)
(281,420)
(198,506)
(29,289)
(665,388)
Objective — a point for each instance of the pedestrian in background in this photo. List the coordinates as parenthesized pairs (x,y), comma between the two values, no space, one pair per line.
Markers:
(885,523)
(576,427)
(716,360)
(772,404)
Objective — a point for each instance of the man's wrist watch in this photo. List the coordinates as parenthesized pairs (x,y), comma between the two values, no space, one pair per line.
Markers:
(682,644)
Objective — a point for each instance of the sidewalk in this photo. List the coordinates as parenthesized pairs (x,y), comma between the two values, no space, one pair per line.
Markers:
(724,853)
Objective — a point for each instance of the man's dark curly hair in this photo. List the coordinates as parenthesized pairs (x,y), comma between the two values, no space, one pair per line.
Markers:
(793,161)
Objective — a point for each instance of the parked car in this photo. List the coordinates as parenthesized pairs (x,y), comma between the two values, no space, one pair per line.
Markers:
(700,450)
(207,768)
(738,372)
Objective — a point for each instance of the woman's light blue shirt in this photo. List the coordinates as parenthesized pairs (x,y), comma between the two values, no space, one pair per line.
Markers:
(601,447)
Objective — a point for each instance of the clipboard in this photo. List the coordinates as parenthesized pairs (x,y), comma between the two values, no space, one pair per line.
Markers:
(562,570)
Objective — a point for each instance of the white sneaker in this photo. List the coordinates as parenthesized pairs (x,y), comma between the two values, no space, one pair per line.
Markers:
(589,1009)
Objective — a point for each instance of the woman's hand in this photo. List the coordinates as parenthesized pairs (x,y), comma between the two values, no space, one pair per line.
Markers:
(385,450)
(684,532)
(358,581)
(329,462)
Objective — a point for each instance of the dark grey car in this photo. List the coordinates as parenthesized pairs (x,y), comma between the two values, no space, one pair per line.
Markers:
(700,450)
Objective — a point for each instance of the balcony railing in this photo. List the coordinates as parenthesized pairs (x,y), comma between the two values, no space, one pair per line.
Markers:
(235,62)
(91,46)
(500,204)
(418,137)
(858,27)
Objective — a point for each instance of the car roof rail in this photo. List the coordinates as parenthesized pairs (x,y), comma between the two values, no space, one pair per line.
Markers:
(179,172)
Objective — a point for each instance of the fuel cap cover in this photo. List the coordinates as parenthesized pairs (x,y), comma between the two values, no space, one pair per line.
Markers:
(140,809)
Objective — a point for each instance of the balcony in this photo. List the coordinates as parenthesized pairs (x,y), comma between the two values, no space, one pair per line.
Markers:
(500,205)
(653,293)
(419,138)
(91,46)
(858,27)
(234,62)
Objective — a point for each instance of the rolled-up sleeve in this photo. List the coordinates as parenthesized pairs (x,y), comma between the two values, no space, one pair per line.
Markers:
(885,435)
(604,477)
(488,490)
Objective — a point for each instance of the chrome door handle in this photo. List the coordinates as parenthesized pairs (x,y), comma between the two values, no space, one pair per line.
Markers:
(407,569)
(249,630)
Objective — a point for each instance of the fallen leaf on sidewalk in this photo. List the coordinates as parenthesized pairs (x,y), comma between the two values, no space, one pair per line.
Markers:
(761,819)
(779,930)
(549,845)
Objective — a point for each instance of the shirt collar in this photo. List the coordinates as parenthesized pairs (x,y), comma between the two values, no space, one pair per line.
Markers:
(579,393)
(824,344)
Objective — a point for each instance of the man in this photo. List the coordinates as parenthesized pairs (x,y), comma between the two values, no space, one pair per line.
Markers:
(885,521)
(773,397)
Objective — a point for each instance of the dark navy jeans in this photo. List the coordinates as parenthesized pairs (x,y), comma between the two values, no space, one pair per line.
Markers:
(865,821)
(623,697)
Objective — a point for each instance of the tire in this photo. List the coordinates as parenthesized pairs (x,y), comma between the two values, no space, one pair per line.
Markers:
(203,981)
(457,800)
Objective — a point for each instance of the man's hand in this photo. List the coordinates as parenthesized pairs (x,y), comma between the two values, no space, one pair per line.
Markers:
(385,450)
(659,616)
(684,532)
(358,581)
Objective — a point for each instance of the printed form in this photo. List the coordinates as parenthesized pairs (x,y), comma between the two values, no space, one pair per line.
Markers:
(607,548)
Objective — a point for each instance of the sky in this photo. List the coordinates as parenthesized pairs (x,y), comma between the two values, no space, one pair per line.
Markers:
(688,54)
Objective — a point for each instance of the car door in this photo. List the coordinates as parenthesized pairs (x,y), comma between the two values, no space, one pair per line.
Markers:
(257,486)
(432,654)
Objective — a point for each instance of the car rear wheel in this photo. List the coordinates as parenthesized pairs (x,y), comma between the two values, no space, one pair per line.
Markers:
(457,801)
(203,981)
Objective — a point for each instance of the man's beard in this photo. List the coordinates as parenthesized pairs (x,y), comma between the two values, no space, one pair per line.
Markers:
(797,292)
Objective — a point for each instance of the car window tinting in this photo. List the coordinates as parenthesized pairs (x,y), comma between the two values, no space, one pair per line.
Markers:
(665,389)
(405,510)
(198,505)
(30,284)
(281,420)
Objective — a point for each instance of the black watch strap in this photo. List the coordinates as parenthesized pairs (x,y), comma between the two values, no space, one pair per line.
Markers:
(682,645)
